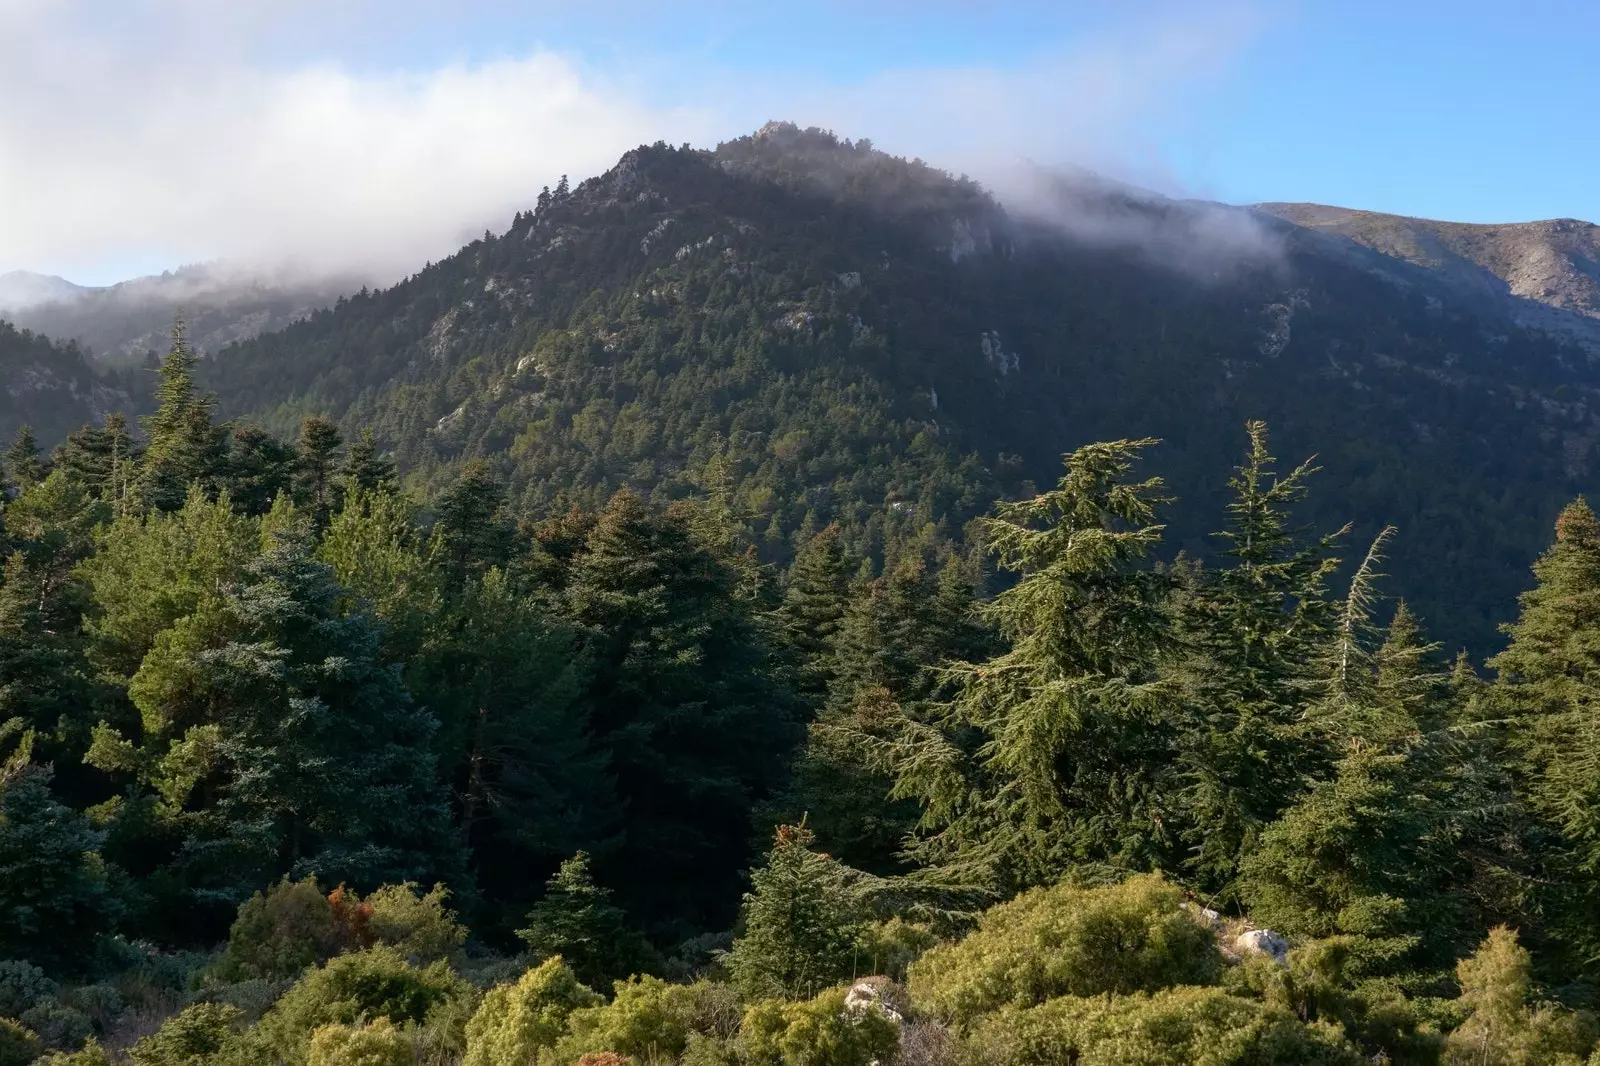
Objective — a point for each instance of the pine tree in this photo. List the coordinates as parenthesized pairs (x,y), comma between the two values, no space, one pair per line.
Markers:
(1549,682)
(260,469)
(364,468)
(22,460)
(184,446)
(577,921)
(1057,751)
(815,599)
(54,897)
(800,925)
(103,460)
(683,699)
(1255,629)
(472,525)
(316,468)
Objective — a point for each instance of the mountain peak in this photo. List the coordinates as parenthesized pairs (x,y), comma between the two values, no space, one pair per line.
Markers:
(23,289)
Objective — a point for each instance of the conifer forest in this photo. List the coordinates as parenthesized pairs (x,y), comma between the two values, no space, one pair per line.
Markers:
(675,673)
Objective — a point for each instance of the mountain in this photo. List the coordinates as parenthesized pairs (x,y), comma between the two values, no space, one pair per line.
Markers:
(818,332)
(1545,275)
(52,387)
(22,289)
(120,324)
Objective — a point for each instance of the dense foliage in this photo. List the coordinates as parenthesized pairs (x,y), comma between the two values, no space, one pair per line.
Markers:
(1062,809)
(299,768)
(826,334)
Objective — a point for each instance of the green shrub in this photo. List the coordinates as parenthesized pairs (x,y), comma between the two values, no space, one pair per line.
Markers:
(890,947)
(516,1021)
(195,1036)
(418,926)
(282,932)
(18,1046)
(22,984)
(1067,941)
(364,986)
(1174,1027)
(816,1032)
(100,1003)
(253,997)
(57,1025)
(377,1043)
(647,1019)
(1503,1028)
(91,1054)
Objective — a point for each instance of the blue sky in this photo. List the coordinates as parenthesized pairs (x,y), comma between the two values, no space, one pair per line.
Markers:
(137,134)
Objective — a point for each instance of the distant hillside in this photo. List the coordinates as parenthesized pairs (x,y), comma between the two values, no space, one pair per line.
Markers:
(120,324)
(1545,275)
(52,387)
(825,333)
(22,289)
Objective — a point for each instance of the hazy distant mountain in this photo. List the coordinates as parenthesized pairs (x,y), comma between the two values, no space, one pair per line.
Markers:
(865,340)
(1543,274)
(22,289)
(119,324)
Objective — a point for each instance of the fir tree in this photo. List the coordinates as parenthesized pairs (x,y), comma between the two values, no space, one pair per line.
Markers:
(1255,629)
(815,598)
(102,459)
(1549,681)
(22,460)
(319,763)
(260,469)
(364,468)
(184,446)
(577,921)
(1057,751)
(504,678)
(317,465)
(684,701)
(800,925)
(472,525)
(53,893)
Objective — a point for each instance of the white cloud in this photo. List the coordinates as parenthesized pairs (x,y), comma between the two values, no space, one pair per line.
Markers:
(111,146)
(178,130)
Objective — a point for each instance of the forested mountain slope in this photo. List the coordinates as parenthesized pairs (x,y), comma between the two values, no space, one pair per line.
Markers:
(50,386)
(825,333)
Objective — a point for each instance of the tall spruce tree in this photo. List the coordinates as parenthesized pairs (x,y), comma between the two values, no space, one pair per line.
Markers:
(1549,683)
(102,459)
(683,699)
(22,461)
(316,470)
(184,447)
(1058,751)
(815,599)
(1254,629)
